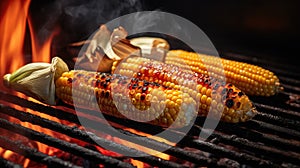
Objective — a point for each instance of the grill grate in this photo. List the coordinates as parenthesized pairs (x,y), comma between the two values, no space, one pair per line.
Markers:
(271,139)
(9,164)
(32,153)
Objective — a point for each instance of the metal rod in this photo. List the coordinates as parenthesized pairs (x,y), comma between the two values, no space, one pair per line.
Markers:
(272,153)
(89,137)
(280,101)
(33,154)
(73,118)
(288,80)
(60,144)
(262,126)
(277,111)
(275,120)
(272,129)
(294,89)
(256,136)
(221,152)
(63,115)
(8,164)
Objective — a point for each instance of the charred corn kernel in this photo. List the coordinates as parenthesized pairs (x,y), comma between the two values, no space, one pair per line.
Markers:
(245,76)
(208,93)
(107,93)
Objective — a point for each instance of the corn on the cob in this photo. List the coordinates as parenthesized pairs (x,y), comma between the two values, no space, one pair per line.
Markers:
(146,101)
(251,79)
(221,99)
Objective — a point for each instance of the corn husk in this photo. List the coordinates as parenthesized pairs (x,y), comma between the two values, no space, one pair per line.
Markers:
(37,79)
(104,48)
(152,47)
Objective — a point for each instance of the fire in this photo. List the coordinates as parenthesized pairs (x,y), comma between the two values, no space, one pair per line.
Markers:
(14,20)
(146,150)
(12,30)
(40,51)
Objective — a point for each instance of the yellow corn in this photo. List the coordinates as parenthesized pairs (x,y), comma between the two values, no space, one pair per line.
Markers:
(221,99)
(122,97)
(251,79)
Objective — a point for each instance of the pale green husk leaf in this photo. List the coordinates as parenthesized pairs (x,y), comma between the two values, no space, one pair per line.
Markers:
(37,79)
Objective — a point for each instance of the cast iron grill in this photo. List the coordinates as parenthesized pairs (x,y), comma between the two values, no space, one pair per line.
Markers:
(271,139)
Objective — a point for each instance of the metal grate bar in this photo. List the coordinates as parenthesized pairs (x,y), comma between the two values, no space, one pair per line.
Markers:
(281,101)
(291,88)
(8,164)
(221,152)
(272,120)
(277,111)
(288,80)
(254,125)
(63,115)
(275,120)
(266,118)
(255,136)
(245,145)
(240,143)
(272,129)
(273,154)
(173,151)
(76,133)
(275,141)
(82,135)
(60,144)
(33,154)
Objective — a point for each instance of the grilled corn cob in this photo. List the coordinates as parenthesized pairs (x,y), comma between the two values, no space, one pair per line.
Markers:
(251,79)
(120,96)
(224,100)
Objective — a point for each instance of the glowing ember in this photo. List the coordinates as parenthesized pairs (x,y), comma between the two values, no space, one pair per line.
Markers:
(149,151)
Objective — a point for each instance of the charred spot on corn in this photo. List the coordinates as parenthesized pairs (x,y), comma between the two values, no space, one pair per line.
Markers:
(238,104)
(122,97)
(241,94)
(211,94)
(70,80)
(229,103)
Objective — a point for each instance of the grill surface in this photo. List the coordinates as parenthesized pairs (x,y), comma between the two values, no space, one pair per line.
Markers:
(271,139)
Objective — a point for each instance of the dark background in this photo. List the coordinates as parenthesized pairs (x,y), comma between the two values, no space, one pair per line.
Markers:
(263,29)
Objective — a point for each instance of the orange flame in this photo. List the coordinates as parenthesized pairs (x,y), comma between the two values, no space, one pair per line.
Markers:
(12,30)
(40,51)
(14,19)
(147,150)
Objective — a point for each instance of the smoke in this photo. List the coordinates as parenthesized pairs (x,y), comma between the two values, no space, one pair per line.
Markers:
(77,19)
(89,15)
(175,29)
